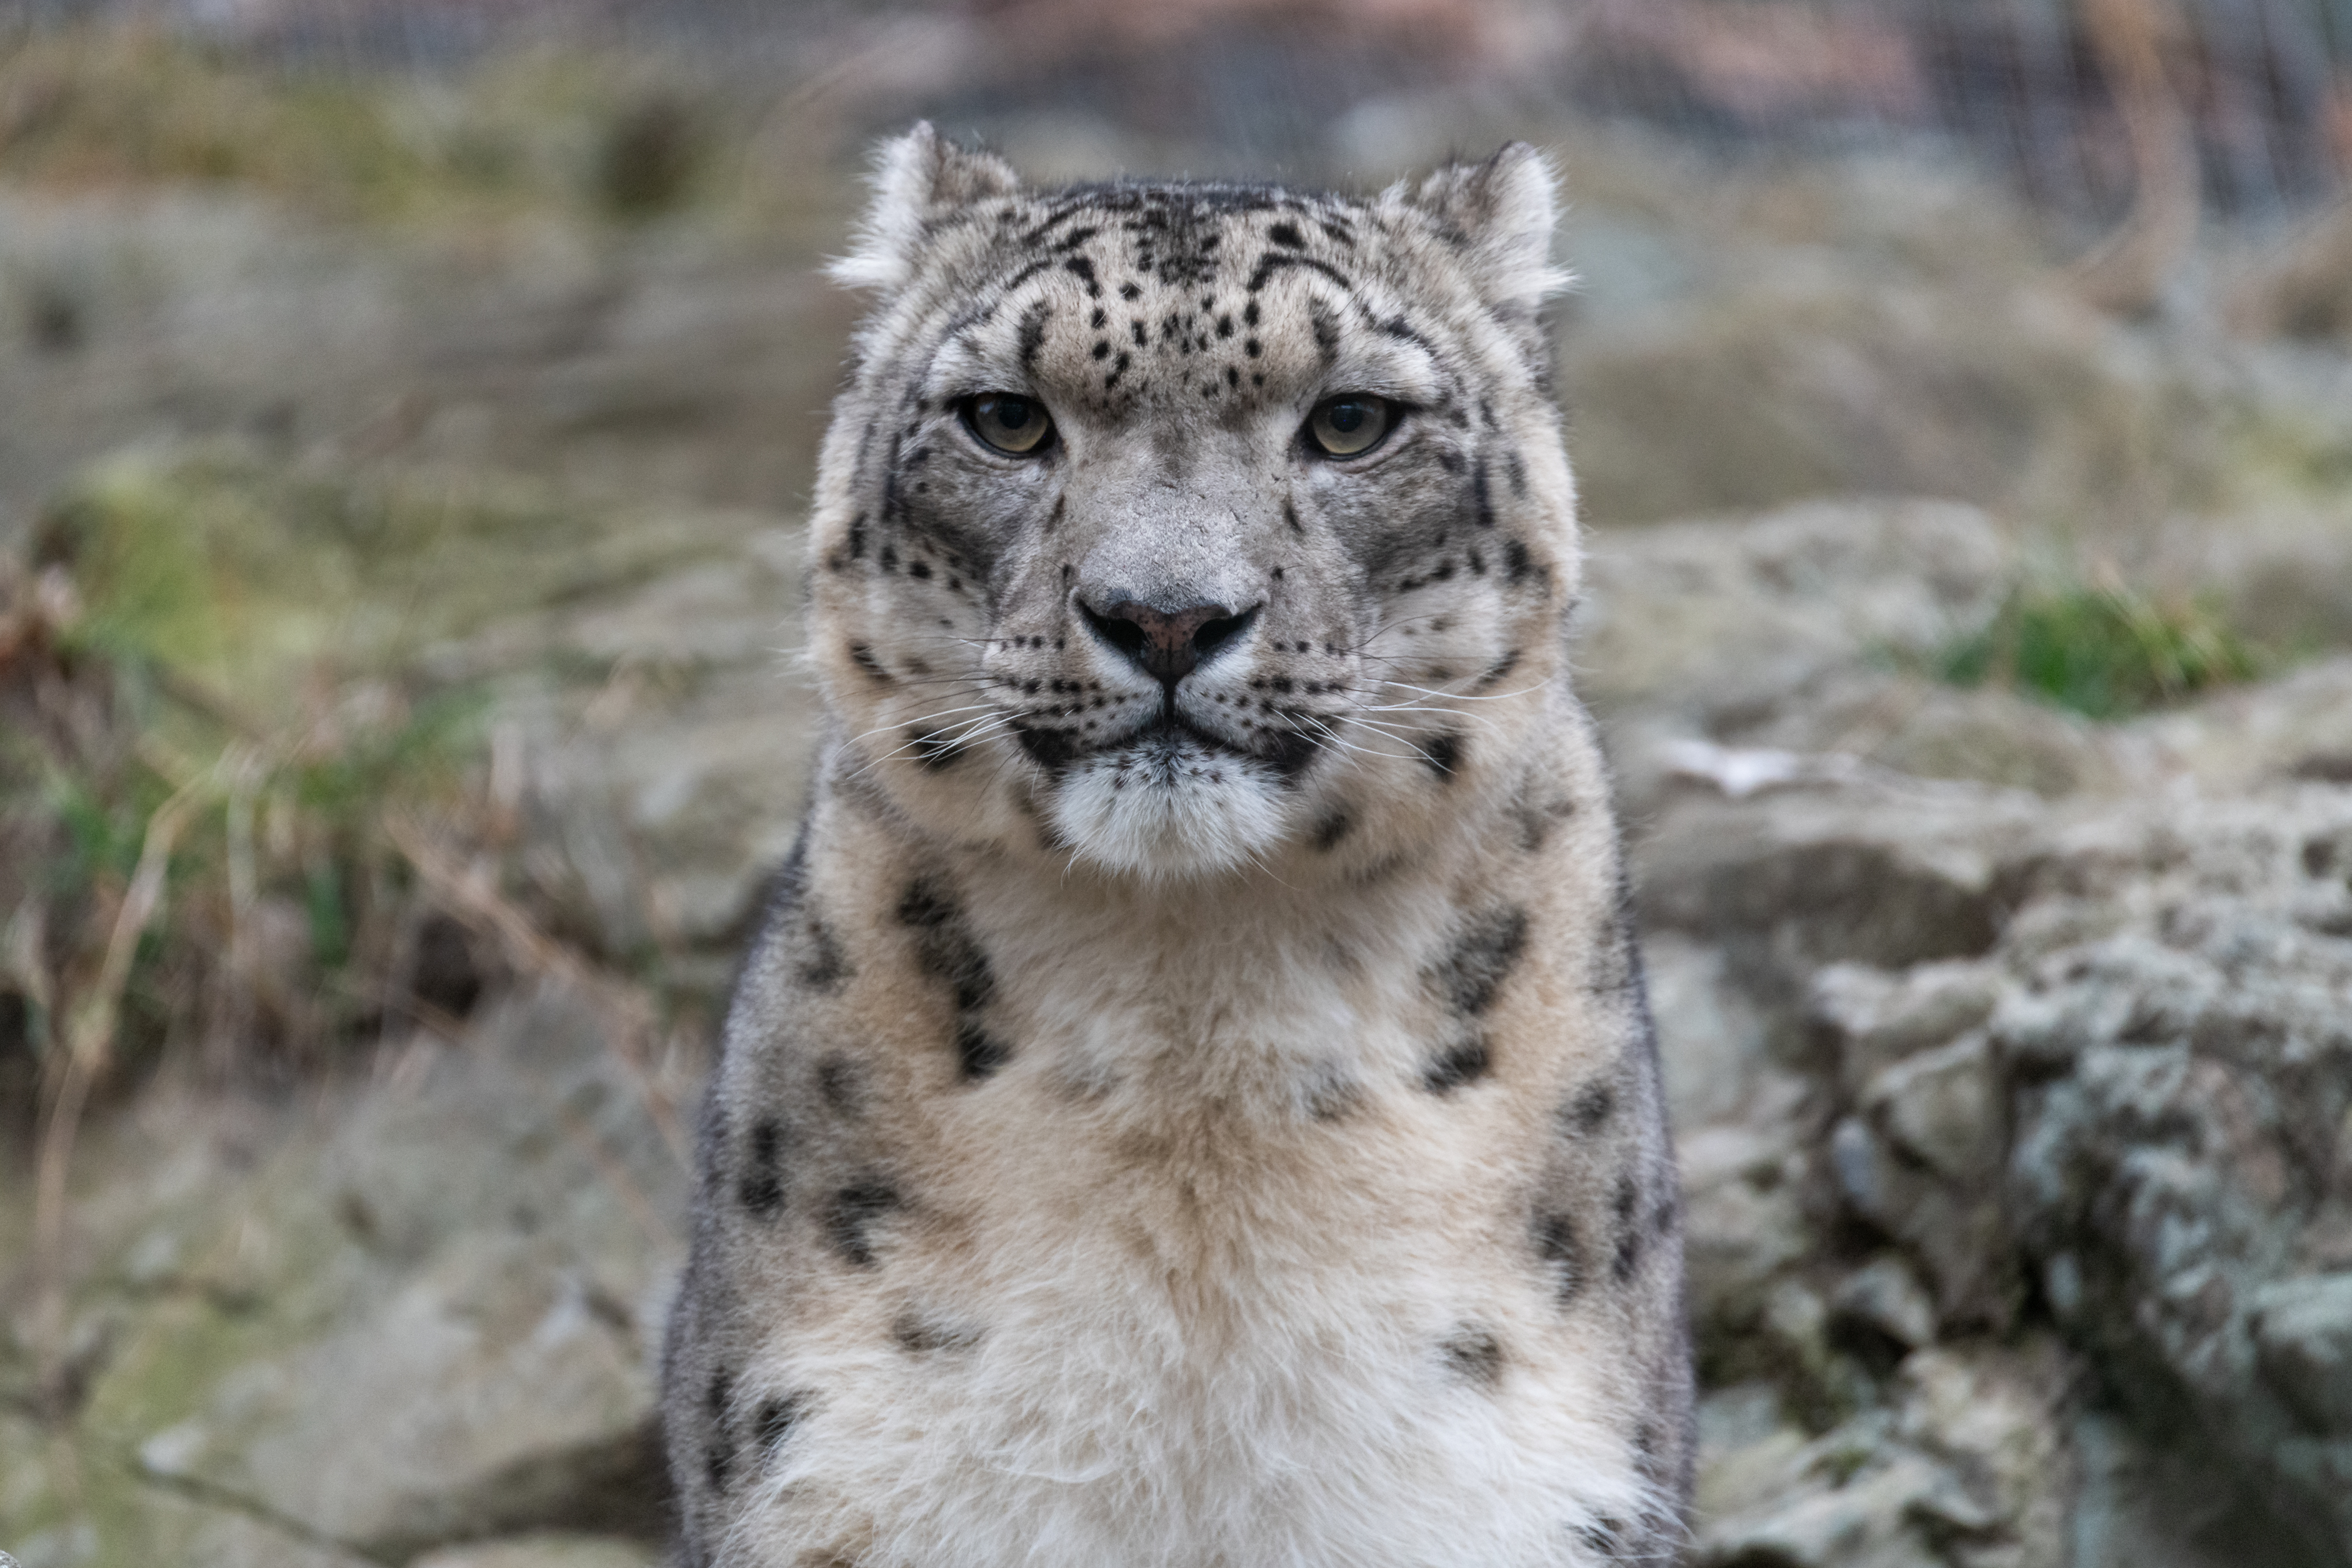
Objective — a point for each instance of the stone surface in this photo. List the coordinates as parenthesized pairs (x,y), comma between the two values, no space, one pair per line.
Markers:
(416,1310)
(2134,1094)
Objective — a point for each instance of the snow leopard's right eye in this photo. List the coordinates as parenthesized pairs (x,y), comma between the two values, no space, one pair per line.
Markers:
(1010,423)
(1350,426)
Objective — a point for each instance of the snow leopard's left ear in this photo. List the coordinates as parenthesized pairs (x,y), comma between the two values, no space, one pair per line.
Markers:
(919,178)
(1500,214)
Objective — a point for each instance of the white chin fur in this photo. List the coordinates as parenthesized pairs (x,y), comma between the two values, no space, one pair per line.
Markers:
(1156,813)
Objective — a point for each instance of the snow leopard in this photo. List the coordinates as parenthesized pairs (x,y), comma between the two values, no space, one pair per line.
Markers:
(1193,1100)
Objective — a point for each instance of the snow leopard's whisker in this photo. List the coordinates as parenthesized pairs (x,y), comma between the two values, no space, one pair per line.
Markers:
(971,732)
(1470,696)
(1341,742)
(897,724)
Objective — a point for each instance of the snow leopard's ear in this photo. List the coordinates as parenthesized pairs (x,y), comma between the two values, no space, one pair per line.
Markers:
(1500,214)
(919,178)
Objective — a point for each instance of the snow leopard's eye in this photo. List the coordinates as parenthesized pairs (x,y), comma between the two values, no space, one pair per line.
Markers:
(1010,423)
(1349,424)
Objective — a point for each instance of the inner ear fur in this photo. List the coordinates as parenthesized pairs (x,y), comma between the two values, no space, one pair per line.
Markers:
(919,178)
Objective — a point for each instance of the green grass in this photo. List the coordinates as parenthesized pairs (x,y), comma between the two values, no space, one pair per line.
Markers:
(2104,650)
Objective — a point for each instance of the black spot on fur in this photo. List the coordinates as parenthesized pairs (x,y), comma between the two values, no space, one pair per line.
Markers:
(945,951)
(719,1459)
(858,537)
(850,1216)
(839,1082)
(1326,328)
(1497,671)
(1516,563)
(1482,504)
(862,657)
(918,569)
(1459,1063)
(1473,970)
(1287,234)
(1085,271)
(1034,335)
(889,559)
(761,1187)
(1474,1354)
(978,1052)
(1556,1247)
(1443,753)
(918,1335)
(1331,1095)
(926,905)
(1249,313)
(777,1418)
(936,751)
(1536,821)
(1050,749)
(822,965)
(1631,1236)
(1272,263)
(1289,752)
(1589,1111)
(1333,828)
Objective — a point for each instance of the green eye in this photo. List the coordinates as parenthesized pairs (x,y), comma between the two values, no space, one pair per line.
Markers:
(1352,423)
(1009,422)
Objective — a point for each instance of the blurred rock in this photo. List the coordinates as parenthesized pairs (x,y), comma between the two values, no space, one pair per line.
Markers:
(2138,1086)
(1717,617)
(418,1312)
(1887,1297)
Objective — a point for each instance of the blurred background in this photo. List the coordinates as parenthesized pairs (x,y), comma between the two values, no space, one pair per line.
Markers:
(407,409)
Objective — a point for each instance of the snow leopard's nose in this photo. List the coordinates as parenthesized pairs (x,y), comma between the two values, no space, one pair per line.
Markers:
(1167,644)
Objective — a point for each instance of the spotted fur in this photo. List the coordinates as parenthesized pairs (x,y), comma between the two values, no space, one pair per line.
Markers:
(1208,1122)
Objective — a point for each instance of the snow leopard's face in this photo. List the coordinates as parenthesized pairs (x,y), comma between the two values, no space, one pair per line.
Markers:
(1177,527)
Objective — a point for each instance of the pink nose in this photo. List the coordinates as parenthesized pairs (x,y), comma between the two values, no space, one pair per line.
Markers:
(1169,647)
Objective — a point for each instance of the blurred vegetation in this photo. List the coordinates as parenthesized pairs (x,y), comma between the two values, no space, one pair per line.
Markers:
(2101,649)
(279,919)
(235,679)
(576,131)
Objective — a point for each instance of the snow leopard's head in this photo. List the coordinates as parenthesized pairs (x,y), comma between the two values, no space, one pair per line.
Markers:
(1176,527)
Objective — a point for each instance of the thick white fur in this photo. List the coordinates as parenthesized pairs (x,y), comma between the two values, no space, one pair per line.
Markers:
(1173,814)
(1161,1385)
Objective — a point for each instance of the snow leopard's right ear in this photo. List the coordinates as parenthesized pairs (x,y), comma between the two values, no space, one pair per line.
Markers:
(1499,215)
(919,178)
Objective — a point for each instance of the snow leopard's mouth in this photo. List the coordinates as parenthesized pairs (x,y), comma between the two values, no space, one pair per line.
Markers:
(1166,736)
(1168,741)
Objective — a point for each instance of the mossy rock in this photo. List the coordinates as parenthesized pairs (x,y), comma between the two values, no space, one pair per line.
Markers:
(257,579)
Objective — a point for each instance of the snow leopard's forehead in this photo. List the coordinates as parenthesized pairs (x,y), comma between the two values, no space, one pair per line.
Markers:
(1202,301)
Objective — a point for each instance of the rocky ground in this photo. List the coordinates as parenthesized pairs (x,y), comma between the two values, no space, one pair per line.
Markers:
(2011,1053)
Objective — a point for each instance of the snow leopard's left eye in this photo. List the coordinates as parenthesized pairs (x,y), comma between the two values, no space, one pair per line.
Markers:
(1348,425)
(1012,423)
